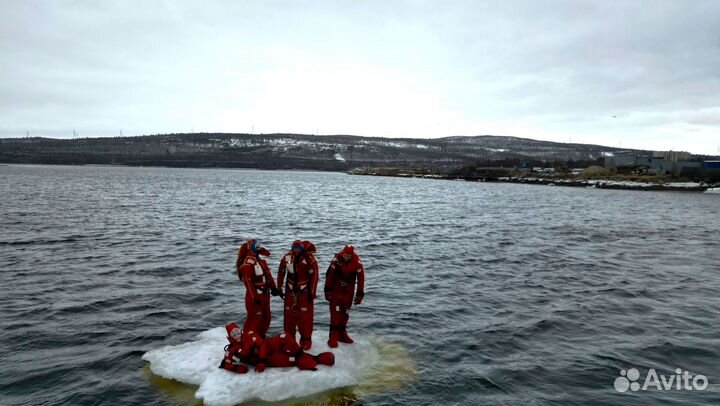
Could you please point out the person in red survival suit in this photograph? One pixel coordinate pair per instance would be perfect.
(340, 279)
(283, 351)
(248, 349)
(300, 289)
(259, 284)
(236, 358)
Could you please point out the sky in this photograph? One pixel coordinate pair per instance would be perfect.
(630, 74)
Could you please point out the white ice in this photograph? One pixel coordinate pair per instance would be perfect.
(196, 363)
(683, 184)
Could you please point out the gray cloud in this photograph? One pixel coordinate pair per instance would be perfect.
(555, 67)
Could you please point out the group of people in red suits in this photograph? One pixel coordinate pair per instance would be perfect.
(297, 282)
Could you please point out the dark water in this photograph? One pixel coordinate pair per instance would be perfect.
(503, 294)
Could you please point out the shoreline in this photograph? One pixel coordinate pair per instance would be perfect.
(600, 183)
(615, 184)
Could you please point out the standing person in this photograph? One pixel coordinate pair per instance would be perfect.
(340, 279)
(299, 292)
(259, 284)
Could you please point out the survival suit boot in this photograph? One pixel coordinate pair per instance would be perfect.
(306, 362)
(333, 340)
(325, 358)
(305, 343)
(344, 337)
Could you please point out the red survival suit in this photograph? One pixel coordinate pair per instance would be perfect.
(259, 284)
(340, 279)
(278, 351)
(283, 351)
(299, 291)
(236, 358)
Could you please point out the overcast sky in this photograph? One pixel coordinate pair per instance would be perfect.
(641, 74)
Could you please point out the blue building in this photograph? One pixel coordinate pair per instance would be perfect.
(711, 166)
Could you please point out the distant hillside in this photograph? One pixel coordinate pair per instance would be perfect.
(295, 151)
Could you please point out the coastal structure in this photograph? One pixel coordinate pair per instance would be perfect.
(655, 163)
(711, 167)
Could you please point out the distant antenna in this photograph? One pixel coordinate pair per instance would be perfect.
(27, 134)
(121, 134)
(252, 129)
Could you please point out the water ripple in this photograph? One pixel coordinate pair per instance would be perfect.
(504, 294)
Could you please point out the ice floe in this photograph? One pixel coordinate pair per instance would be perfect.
(196, 363)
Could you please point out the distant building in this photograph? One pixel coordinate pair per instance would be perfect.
(658, 163)
(633, 160)
(674, 156)
(688, 167)
(623, 160)
(711, 170)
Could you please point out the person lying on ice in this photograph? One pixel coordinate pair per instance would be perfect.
(248, 349)
(283, 351)
(259, 284)
(299, 292)
(340, 279)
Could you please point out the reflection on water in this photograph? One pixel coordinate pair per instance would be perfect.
(179, 393)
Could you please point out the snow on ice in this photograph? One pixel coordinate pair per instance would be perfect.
(197, 363)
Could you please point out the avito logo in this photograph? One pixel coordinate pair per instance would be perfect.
(681, 380)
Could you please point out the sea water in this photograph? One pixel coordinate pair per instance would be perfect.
(476, 293)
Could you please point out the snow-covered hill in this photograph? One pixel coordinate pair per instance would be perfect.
(293, 151)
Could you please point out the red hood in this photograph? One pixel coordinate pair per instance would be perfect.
(309, 247)
(339, 257)
(246, 249)
(229, 329)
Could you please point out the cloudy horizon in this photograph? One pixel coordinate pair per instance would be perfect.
(635, 74)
